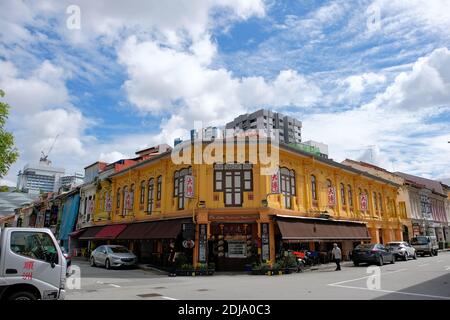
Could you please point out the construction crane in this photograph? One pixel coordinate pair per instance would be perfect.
(44, 157)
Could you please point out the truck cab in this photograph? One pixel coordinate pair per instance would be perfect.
(425, 245)
(32, 265)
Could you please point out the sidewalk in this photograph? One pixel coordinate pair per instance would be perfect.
(146, 267)
(329, 266)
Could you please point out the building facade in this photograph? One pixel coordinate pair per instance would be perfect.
(68, 182)
(231, 214)
(428, 203)
(421, 201)
(38, 178)
(289, 128)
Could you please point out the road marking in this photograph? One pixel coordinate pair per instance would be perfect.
(423, 265)
(100, 282)
(114, 285)
(390, 291)
(385, 273)
(440, 261)
(168, 298)
(447, 268)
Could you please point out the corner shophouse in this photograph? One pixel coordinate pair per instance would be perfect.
(236, 215)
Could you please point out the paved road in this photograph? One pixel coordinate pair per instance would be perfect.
(424, 278)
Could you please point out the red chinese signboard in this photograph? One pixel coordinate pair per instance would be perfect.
(189, 187)
(363, 202)
(275, 183)
(128, 201)
(331, 196)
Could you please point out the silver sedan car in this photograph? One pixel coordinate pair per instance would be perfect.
(402, 250)
(111, 256)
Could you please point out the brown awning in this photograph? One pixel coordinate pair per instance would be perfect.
(90, 233)
(77, 233)
(321, 229)
(165, 229)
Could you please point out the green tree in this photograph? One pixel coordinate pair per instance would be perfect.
(8, 153)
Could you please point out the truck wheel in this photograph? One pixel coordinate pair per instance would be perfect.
(107, 264)
(436, 253)
(22, 295)
(356, 263)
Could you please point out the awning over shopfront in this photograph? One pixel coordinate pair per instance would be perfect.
(89, 233)
(165, 229)
(110, 232)
(77, 233)
(316, 229)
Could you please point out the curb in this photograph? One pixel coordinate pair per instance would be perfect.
(147, 268)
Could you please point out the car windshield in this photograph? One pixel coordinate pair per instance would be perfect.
(364, 246)
(419, 240)
(119, 250)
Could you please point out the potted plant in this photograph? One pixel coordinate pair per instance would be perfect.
(211, 268)
(186, 270)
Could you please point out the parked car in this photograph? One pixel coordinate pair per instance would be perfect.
(402, 250)
(111, 256)
(372, 253)
(425, 245)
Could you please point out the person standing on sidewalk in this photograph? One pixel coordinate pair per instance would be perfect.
(172, 262)
(337, 255)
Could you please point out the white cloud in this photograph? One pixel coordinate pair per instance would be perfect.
(112, 156)
(43, 88)
(426, 86)
(386, 132)
(357, 84)
(170, 20)
(184, 84)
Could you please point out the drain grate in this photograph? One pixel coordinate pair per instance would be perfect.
(203, 290)
(149, 295)
(159, 288)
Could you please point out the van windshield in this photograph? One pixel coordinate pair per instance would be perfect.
(419, 240)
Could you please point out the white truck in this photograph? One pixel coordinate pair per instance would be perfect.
(32, 265)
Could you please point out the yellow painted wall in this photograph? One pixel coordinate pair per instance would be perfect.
(304, 167)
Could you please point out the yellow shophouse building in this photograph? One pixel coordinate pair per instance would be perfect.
(230, 213)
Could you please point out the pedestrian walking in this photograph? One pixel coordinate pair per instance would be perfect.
(172, 263)
(337, 255)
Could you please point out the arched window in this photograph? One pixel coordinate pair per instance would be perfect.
(287, 186)
(375, 200)
(314, 187)
(158, 188)
(124, 194)
(118, 198)
(132, 197)
(350, 195)
(329, 183)
(151, 187)
(178, 185)
(343, 195)
(142, 193)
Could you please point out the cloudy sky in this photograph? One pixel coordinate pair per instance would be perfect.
(369, 78)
